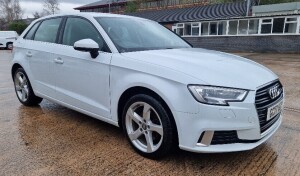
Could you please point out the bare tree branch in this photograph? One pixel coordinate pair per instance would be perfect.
(51, 6)
(37, 14)
(10, 10)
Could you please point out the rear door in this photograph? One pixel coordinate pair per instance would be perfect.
(81, 81)
(39, 46)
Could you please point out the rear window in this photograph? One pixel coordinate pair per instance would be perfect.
(47, 31)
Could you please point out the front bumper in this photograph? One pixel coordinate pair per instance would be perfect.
(233, 147)
(241, 117)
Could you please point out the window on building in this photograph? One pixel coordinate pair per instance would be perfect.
(174, 28)
(195, 29)
(213, 28)
(204, 28)
(266, 26)
(269, 25)
(253, 26)
(243, 26)
(222, 26)
(290, 25)
(292, 19)
(180, 29)
(278, 25)
(187, 28)
(232, 27)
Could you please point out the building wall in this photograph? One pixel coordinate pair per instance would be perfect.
(169, 26)
(274, 43)
(276, 9)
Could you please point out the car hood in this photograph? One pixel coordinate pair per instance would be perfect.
(209, 67)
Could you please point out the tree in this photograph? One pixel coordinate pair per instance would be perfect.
(2, 24)
(37, 14)
(18, 26)
(10, 10)
(51, 6)
(131, 6)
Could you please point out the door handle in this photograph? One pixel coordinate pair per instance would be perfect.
(29, 54)
(59, 61)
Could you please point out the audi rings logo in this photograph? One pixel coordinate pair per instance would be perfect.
(274, 92)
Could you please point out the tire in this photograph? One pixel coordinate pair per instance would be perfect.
(145, 119)
(24, 90)
(9, 46)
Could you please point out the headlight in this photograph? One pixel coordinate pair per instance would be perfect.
(217, 95)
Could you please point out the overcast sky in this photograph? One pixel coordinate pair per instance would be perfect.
(66, 6)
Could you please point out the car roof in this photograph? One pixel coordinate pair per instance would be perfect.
(91, 15)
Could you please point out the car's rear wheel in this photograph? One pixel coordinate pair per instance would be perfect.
(24, 90)
(148, 126)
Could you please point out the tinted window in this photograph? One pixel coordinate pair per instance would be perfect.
(48, 30)
(30, 33)
(78, 29)
(278, 25)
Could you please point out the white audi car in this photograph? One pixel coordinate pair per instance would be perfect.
(138, 75)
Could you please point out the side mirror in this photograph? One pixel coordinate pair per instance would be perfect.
(87, 45)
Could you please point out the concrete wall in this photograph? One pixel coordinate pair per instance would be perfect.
(277, 9)
(272, 43)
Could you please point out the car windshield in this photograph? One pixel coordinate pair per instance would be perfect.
(130, 34)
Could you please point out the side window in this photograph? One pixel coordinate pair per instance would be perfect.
(78, 29)
(30, 33)
(47, 31)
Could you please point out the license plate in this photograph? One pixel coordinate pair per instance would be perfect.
(274, 110)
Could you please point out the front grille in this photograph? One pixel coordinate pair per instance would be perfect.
(263, 101)
(228, 137)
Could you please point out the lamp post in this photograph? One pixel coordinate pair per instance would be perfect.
(109, 4)
(248, 7)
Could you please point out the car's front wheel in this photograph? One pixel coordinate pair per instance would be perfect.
(148, 126)
(24, 90)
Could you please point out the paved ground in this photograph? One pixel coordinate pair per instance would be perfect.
(53, 140)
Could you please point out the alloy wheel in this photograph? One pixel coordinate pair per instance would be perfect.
(22, 87)
(144, 127)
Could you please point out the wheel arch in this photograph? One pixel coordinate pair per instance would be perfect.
(14, 69)
(143, 90)
(7, 43)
